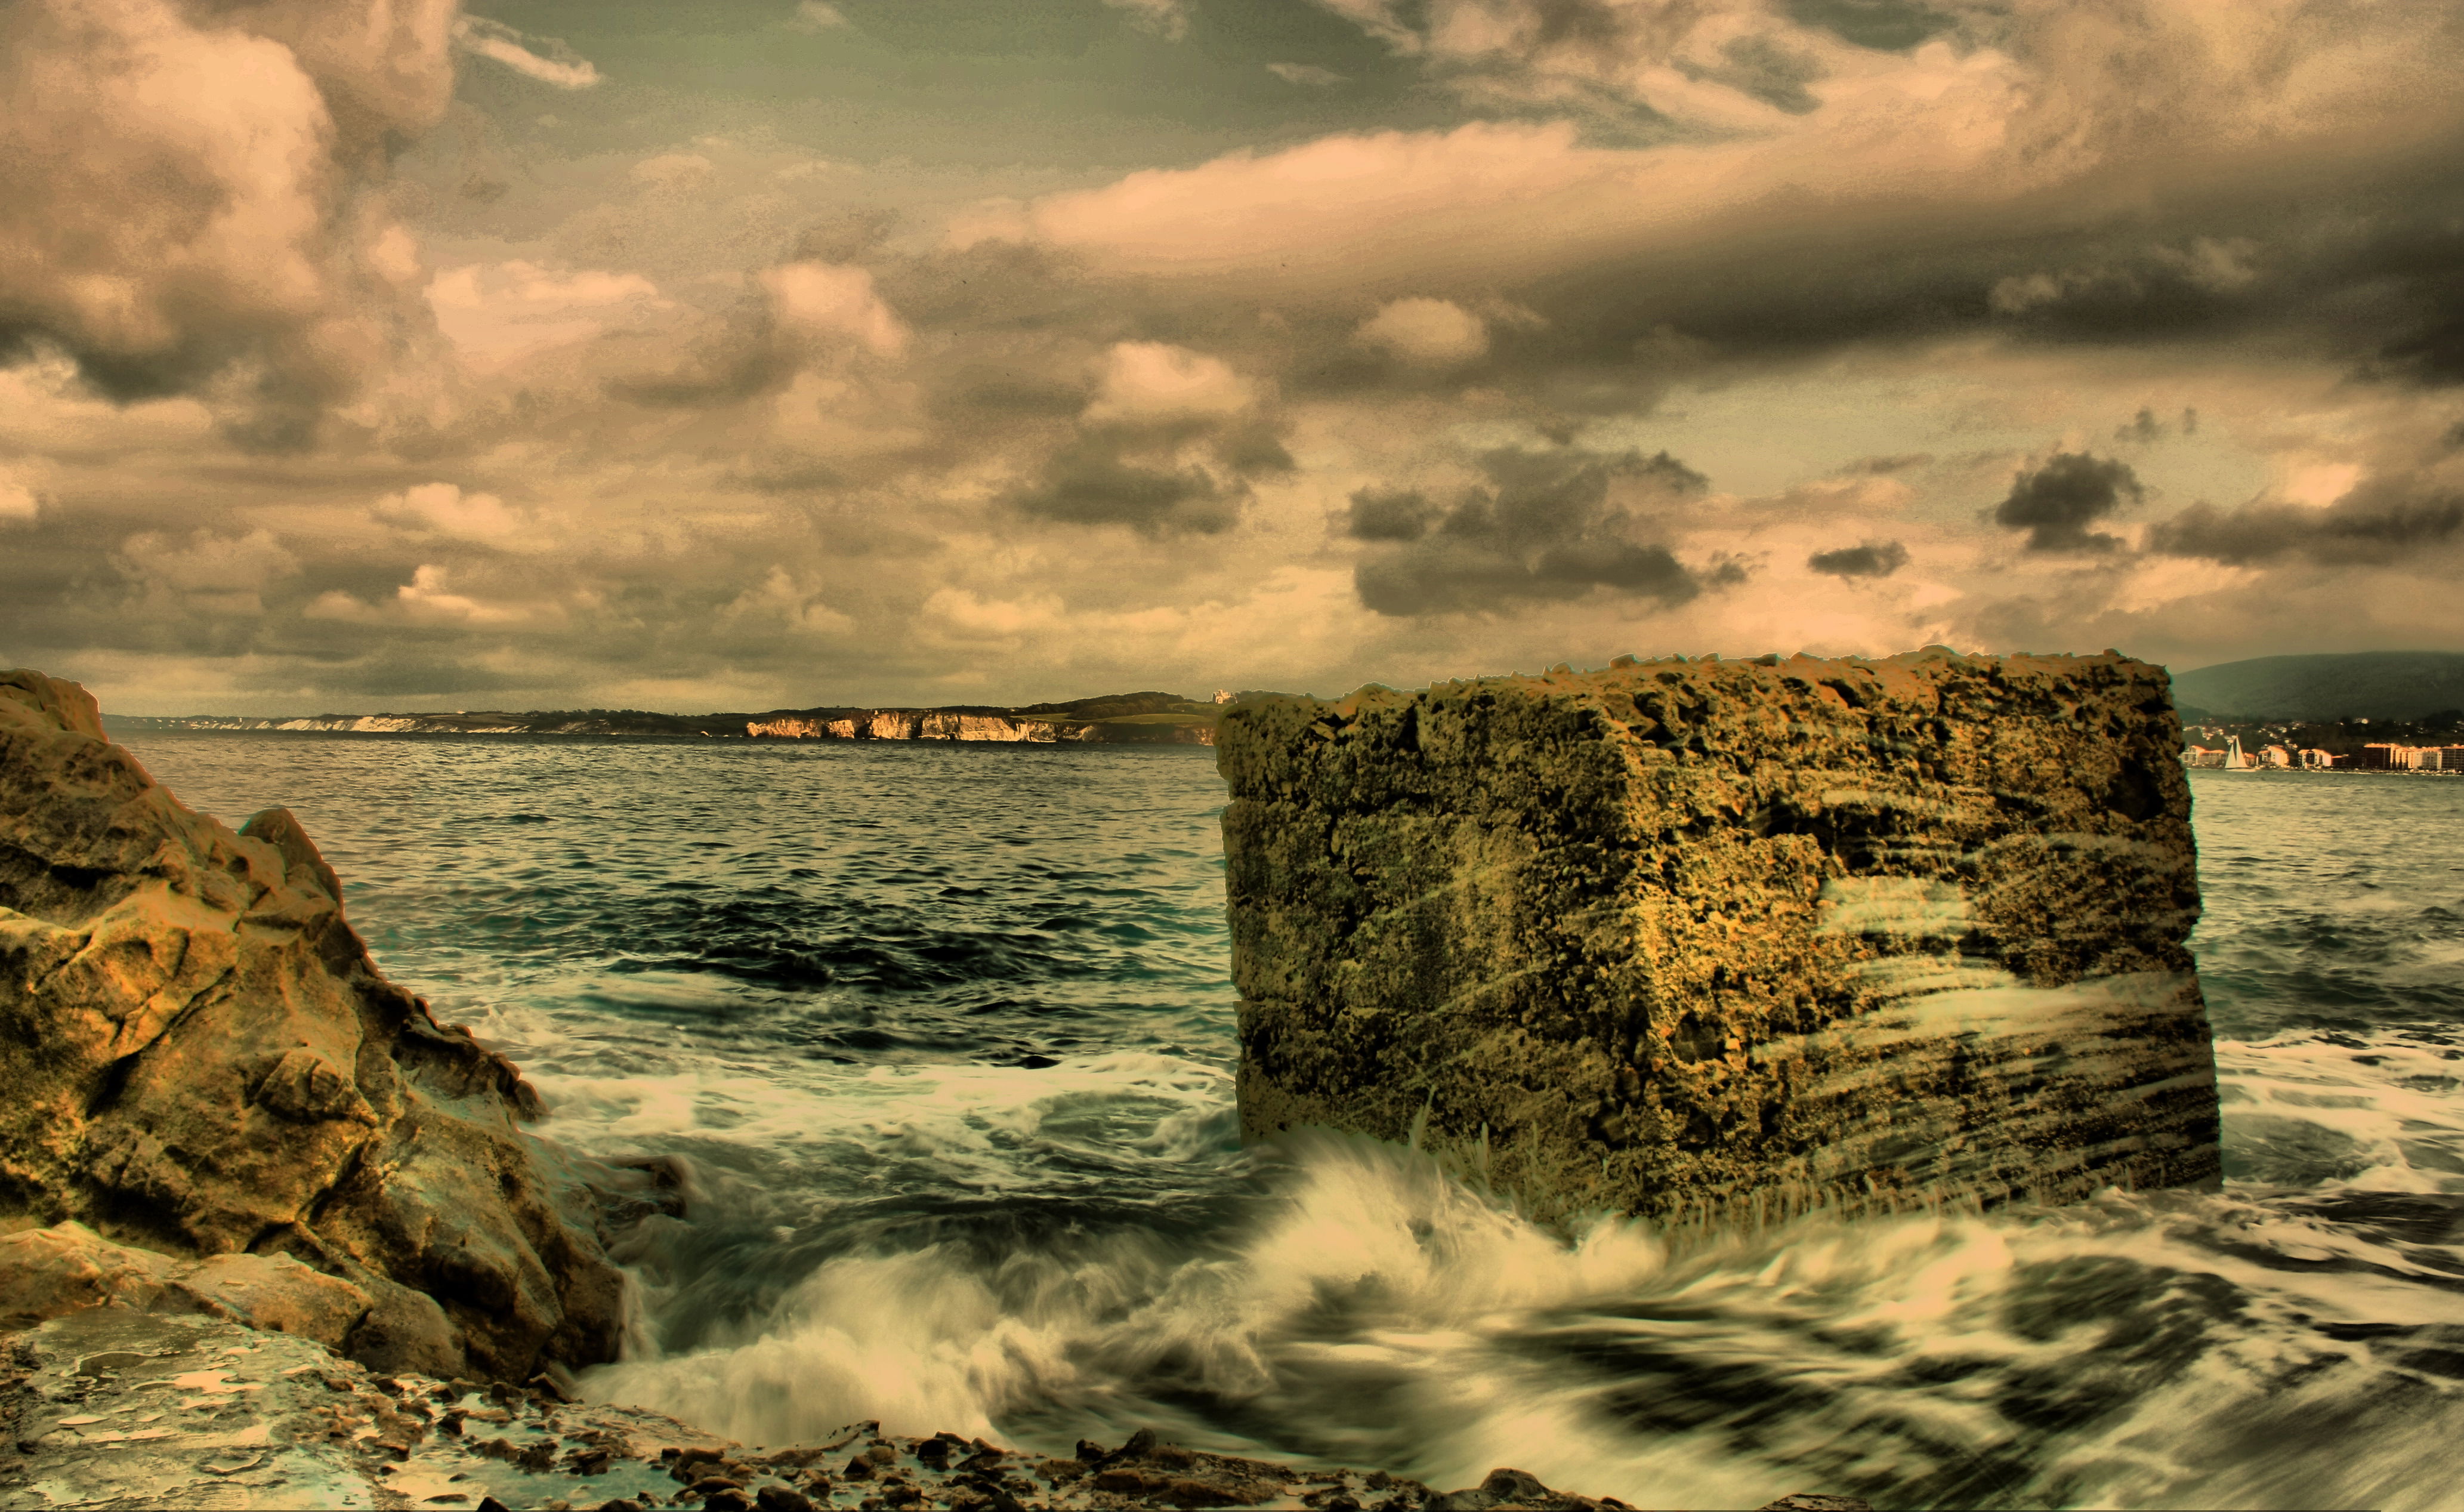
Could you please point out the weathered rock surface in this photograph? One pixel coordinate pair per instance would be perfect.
(202, 1060)
(1676, 937)
(111, 1409)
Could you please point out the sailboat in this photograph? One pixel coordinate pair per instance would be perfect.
(2235, 760)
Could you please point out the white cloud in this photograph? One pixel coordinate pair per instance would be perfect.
(1425, 333)
(834, 301)
(674, 170)
(957, 619)
(495, 312)
(814, 16)
(1157, 381)
(444, 509)
(1307, 73)
(542, 58)
(427, 598)
(780, 601)
(1168, 19)
(178, 194)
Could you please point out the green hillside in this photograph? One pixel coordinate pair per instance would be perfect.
(2361, 685)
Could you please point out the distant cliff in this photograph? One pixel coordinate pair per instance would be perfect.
(1184, 726)
(1147, 718)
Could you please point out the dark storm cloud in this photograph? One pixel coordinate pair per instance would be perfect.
(2145, 429)
(1888, 26)
(1089, 482)
(1873, 559)
(1550, 526)
(2057, 503)
(1758, 67)
(1885, 466)
(2378, 522)
(1389, 515)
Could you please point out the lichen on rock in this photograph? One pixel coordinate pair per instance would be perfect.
(1677, 937)
(202, 1060)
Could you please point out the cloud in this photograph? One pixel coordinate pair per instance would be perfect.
(2384, 521)
(1548, 526)
(780, 600)
(206, 573)
(1425, 333)
(1306, 75)
(429, 600)
(1096, 481)
(816, 16)
(674, 171)
(2147, 429)
(187, 208)
(2057, 502)
(542, 58)
(494, 313)
(1389, 515)
(17, 501)
(1150, 383)
(444, 509)
(830, 304)
(1873, 559)
(1168, 19)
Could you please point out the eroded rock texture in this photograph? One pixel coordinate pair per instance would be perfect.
(1679, 937)
(200, 1059)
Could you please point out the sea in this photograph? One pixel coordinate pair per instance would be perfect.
(942, 1038)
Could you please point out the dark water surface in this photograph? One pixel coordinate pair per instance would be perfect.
(946, 1037)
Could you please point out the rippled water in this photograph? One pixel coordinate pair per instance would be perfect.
(945, 1036)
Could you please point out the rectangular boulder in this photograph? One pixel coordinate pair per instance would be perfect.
(1680, 937)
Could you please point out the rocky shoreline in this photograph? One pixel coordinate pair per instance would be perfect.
(111, 1409)
(272, 1237)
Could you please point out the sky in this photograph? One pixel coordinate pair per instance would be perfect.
(397, 355)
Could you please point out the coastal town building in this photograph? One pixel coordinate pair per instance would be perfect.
(2378, 756)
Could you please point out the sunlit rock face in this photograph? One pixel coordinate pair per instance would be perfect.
(200, 1059)
(1702, 938)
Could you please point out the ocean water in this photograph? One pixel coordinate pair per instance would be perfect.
(944, 1038)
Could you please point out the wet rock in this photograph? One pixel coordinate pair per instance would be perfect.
(1680, 937)
(49, 1273)
(204, 1063)
(1505, 1490)
(1149, 1470)
(1812, 1501)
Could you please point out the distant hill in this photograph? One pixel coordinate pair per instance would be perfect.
(2363, 685)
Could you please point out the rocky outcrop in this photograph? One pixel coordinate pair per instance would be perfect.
(204, 1061)
(1684, 937)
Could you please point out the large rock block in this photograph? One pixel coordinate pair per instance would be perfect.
(1680, 936)
(200, 1059)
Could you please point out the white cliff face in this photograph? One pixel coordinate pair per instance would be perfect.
(911, 724)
